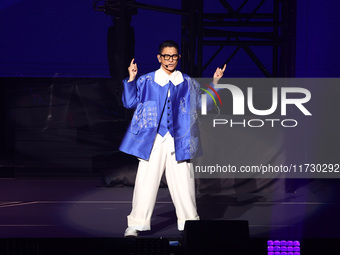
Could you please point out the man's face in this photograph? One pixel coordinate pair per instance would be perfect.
(169, 59)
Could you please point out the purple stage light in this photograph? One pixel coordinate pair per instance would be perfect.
(296, 243)
(277, 248)
(283, 247)
(290, 243)
(270, 248)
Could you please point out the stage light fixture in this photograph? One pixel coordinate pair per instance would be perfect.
(283, 247)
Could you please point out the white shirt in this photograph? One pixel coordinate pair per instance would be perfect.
(162, 78)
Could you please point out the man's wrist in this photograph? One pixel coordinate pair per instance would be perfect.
(216, 80)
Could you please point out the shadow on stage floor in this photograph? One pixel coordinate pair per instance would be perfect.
(68, 216)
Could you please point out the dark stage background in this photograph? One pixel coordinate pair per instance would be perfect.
(68, 38)
(60, 89)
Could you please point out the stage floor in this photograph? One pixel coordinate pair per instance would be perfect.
(77, 208)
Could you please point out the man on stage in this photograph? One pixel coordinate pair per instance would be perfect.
(163, 135)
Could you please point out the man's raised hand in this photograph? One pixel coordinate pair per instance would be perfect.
(132, 70)
(219, 74)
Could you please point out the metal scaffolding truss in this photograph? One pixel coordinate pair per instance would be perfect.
(239, 27)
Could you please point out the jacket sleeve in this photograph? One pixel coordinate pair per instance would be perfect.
(130, 96)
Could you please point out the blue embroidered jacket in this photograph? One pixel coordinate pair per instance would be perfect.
(149, 99)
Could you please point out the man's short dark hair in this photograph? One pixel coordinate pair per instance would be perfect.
(167, 43)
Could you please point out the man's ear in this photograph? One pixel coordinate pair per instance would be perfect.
(159, 58)
(179, 56)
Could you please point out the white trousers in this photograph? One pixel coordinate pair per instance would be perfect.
(180, 180)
